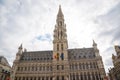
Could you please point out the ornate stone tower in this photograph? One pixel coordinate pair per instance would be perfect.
(96, 49)
(60, 49)
(16, 61)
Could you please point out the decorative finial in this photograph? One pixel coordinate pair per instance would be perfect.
(20, 46)
(94, 44)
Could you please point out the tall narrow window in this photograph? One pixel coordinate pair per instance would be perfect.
(62, 47)
(61, 34)
(57, 77)
(62, 67)
(57, 47)
(62, 77)
(58, 34)
(57, 67)
(60, 23)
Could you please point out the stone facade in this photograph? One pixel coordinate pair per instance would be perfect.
(60, 63)
(114, 73)
(5, 69)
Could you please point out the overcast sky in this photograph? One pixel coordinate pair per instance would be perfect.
(31, 22)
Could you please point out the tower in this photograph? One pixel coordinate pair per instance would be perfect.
(60, 44)
(16, 61)
(96, 49)
(60, 49)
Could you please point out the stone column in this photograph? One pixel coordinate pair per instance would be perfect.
(83, 76)
(41, 78)
(21, 78)
(14, 78)
(79, 76)
(25, 78)
(36, 78)
(91, 76)
(28, 78)
(45, 78)
(95, 76)
(98, 76)
(87, 76)
(48, 77)
(75, 76)
(69, 77)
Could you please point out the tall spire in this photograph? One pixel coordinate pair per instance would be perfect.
(60, 44)
(60, 14)
(60, 17)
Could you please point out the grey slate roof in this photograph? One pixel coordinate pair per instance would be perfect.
(73, 54)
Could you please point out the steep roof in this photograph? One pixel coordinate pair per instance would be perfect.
(4, 61)
(73, 54)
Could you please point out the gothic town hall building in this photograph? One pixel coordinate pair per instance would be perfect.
(60, 63)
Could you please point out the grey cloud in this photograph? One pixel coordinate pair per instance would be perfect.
(108, 62)
(110, 24)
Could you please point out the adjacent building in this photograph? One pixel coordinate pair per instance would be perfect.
(114, 73)
(60, 63)
(5, 69)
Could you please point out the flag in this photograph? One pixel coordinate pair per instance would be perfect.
(62, 56)
(55, 56)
